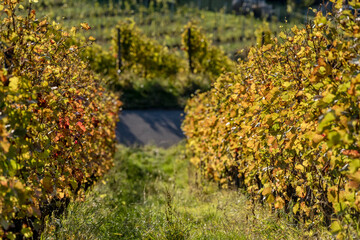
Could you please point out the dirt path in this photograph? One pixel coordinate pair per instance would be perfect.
(156, 127)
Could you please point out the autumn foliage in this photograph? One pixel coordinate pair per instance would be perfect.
(286, 126)
(56, 122)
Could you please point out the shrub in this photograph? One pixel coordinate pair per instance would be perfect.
(143, 55)
(286, 126)
(205, 57)
(56, 122)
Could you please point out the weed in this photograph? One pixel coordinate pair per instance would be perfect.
(174, 228)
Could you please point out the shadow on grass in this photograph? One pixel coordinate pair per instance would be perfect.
(167, 92)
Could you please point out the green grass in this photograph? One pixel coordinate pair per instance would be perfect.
(151, 193)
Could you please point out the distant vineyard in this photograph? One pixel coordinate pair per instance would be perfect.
(286, 126)
(205, 58)
(56, 122)
(143, 55)
(147, 57)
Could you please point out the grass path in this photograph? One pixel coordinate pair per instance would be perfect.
(150, 194)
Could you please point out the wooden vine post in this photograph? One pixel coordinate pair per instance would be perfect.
(118, 60)
(189, 50)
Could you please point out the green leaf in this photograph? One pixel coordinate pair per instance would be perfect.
(335, 227)
(333, 138)
(318, 85)
(329, 98)
(11, 236)
(14, 166)
(354, 4)
(296, 208)
(27, 232)
(328, 118)
(322, 70)
(286, 84)
(354, 165)
(323, 21)
(344, 87)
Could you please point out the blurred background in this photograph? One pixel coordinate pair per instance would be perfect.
(231, 24)
(157, 71)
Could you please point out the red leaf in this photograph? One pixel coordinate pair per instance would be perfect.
(81, 126)
(351, 153)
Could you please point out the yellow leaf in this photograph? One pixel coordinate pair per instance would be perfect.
(5, 146)
(317, 138)
(280, 203)
(270, 198)
(73, 30)
(282, 35)
(300, 192)
(267, 47)
(300, 167)
(266, 191)
(296, 208)
(85, 26)
(14, 83)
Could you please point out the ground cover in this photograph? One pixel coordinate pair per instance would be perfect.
(151, 194)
